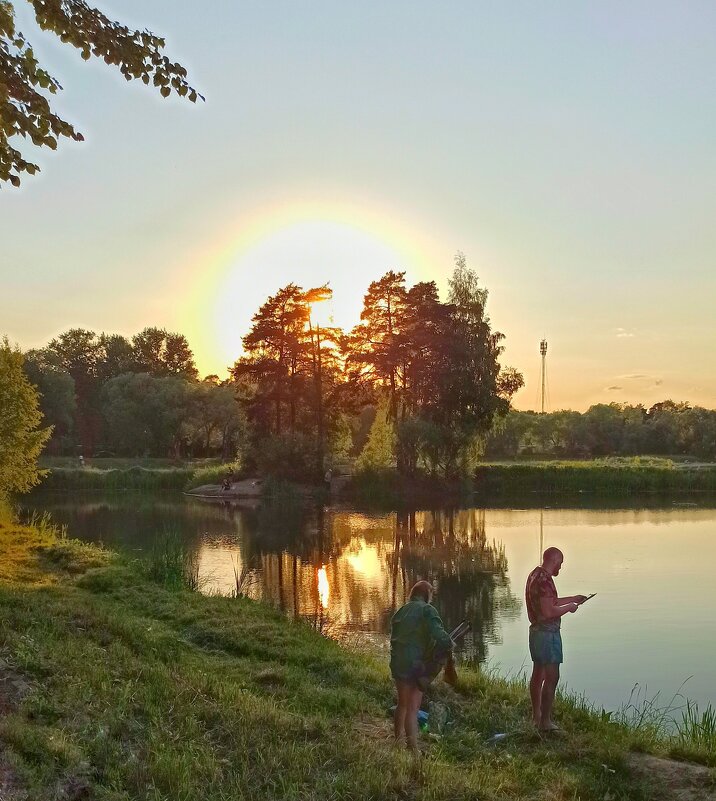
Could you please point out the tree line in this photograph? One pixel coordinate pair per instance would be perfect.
(615, 429)
(416, 385)
(105, 394)
(301, 395)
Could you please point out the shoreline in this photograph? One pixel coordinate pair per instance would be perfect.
(125, 680)
(491, 481)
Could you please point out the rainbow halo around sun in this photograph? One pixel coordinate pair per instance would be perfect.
(308, 246)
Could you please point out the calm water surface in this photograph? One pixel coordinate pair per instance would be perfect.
(651, 623)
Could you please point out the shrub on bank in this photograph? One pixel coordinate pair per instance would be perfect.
(213, 474)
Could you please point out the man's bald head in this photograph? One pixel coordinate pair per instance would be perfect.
(552, 560)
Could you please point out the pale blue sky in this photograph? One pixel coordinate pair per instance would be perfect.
(567, 148)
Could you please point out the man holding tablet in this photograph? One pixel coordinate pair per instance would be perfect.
(545, 610)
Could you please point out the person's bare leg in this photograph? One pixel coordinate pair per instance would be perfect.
(401, 709)
(536, 683)
(411, 718)
(551, 678)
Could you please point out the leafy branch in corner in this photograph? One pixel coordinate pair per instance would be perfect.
(25, 109)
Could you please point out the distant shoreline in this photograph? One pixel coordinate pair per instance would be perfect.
(494, 480)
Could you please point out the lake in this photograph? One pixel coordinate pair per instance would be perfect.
(650, 625)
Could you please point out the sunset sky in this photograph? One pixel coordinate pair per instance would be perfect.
(568, 149)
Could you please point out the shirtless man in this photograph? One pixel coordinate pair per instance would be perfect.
(545, 610)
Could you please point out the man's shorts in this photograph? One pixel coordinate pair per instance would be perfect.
(420, 673)
(545, 645)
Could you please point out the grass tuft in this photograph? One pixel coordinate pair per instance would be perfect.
(173, 565)
(697, 728)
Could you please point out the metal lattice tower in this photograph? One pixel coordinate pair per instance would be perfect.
(543, 352)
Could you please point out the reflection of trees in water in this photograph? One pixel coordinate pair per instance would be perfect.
(135, 520)
(370, 560)
(296, 552)
(451, 550)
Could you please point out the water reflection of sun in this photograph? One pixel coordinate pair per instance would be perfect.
(324, 591)
(366, 561)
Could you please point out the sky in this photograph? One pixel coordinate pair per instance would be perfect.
(568, 149)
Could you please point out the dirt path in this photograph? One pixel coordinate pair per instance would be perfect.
(674, 781)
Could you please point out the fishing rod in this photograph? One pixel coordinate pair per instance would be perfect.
(460, 630)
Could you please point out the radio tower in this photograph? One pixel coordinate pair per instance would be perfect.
(543, 351)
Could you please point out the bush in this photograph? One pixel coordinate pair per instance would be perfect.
(214, 474)
(291, 457)
(378, 453)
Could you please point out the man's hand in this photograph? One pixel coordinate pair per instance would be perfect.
(580, 599)
(572, 607)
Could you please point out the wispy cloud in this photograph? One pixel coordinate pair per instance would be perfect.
(624, 332)
(638, 381)
(613, 389)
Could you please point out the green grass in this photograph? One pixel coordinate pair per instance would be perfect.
(124, 462)
(609, 477)
(697, 728)
(125, 474)
(605, 476)
(171, 564)
(386, 488)
(66, 479)
(132, 687)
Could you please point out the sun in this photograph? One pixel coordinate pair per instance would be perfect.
(310, 247)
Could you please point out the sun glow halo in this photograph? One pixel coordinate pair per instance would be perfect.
(304, 249)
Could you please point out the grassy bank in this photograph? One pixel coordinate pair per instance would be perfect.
(64, 474)
(388, 489)
(123, 462)
(116, 686)
(607, 477)
(75, 479)
(604, 476)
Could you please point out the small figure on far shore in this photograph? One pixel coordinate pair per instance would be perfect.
(82, 461)
(419, 649)
(545, 610)
(226, 484)
(327, 479)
